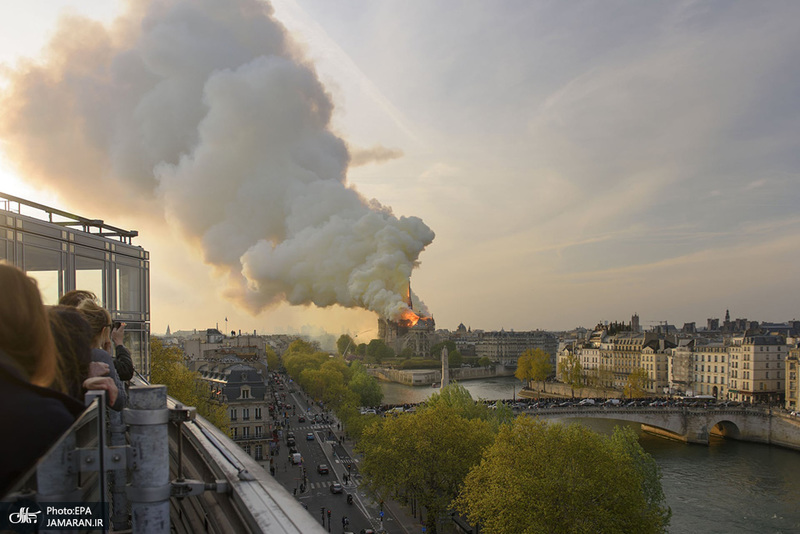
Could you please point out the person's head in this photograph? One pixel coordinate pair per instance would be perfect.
(73, 338)
(76, 296)
(99, 320)
(25, 334)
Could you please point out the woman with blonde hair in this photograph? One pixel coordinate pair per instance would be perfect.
(122, 360)
(99, 320)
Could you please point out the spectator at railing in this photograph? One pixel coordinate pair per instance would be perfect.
(99, 320)
(123, 362)
(73, 338)
(33, 416)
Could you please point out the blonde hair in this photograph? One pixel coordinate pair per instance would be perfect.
(24, 327)
(97, 317)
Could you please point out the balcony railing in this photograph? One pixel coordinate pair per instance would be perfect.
(157, 468)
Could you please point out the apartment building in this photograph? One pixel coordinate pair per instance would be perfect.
(710, 370)
(757, 368)
(243, 389)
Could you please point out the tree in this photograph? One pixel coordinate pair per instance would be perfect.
(636, 385)
(571, 371)
(273, 362)
(565, 479)
(484, 362)
(378, 350)
(166, 367)
(344, 343)
(523, 371)
(367, 388)
(454, 359)
(536, 366)
(424, 456)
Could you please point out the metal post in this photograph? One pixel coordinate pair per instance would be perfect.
(119, 477)
(149, 490)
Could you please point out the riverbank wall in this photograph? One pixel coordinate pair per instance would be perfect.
(427, 377)
(557, 390)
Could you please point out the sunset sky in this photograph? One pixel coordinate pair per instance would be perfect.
(577, 161)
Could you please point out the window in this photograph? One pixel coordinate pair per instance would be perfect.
(233, 414)
(259, 431)
(235, 433)
(245, 414)
(245, 392)
(258, 413)
(259, 452)
(246, 432)
(129, 288)
(44, 266)
(247, 449)
(89, 275)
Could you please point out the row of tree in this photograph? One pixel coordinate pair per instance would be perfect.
(166, 367)
(534, 366)
(511, 475)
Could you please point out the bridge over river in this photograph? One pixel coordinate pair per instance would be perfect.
(695, 425)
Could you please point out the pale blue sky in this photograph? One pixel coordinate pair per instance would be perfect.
(578, 161)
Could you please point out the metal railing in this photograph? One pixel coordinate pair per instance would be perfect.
(136, 465)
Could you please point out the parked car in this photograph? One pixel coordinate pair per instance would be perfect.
(336, 488)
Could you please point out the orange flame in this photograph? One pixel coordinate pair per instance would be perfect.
(408, 318)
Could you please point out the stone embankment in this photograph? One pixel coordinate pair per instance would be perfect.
(427, 377)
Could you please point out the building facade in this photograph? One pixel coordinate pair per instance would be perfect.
(63, 252)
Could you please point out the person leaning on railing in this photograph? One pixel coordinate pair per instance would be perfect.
(99, 320)
(123, 362)
(73, 338)
(35, 411)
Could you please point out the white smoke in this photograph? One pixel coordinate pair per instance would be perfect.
(205, 110)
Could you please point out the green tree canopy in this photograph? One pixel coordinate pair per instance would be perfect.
(565, 479)
(424, 455)
(273, 362)
(378, 350)
(166, 367)
(367, 388)
(345, 343)
(485, 362)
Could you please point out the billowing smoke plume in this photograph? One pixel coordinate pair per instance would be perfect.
(204, 109)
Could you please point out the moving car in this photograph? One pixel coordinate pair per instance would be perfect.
(336, 488)
(322, 469)
(310, 436)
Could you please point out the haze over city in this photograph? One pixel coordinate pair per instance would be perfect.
(577, 162)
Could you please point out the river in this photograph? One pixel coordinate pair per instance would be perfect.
(726, 487)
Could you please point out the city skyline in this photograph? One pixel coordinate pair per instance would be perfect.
(577, 163)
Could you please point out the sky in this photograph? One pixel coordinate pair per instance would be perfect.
(530, 164)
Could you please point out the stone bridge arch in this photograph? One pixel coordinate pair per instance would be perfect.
(726, 428)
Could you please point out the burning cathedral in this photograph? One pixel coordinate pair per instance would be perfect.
(412, 330)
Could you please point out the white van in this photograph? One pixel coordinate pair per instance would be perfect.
(296, 458)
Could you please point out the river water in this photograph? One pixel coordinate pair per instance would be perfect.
(726, 487)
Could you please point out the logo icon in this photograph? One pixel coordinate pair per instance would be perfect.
(24, 516)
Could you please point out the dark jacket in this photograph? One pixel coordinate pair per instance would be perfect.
(99, 355)
(33, 419)
(123, 363)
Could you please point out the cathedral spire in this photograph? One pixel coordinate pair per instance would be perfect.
(410, 306)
